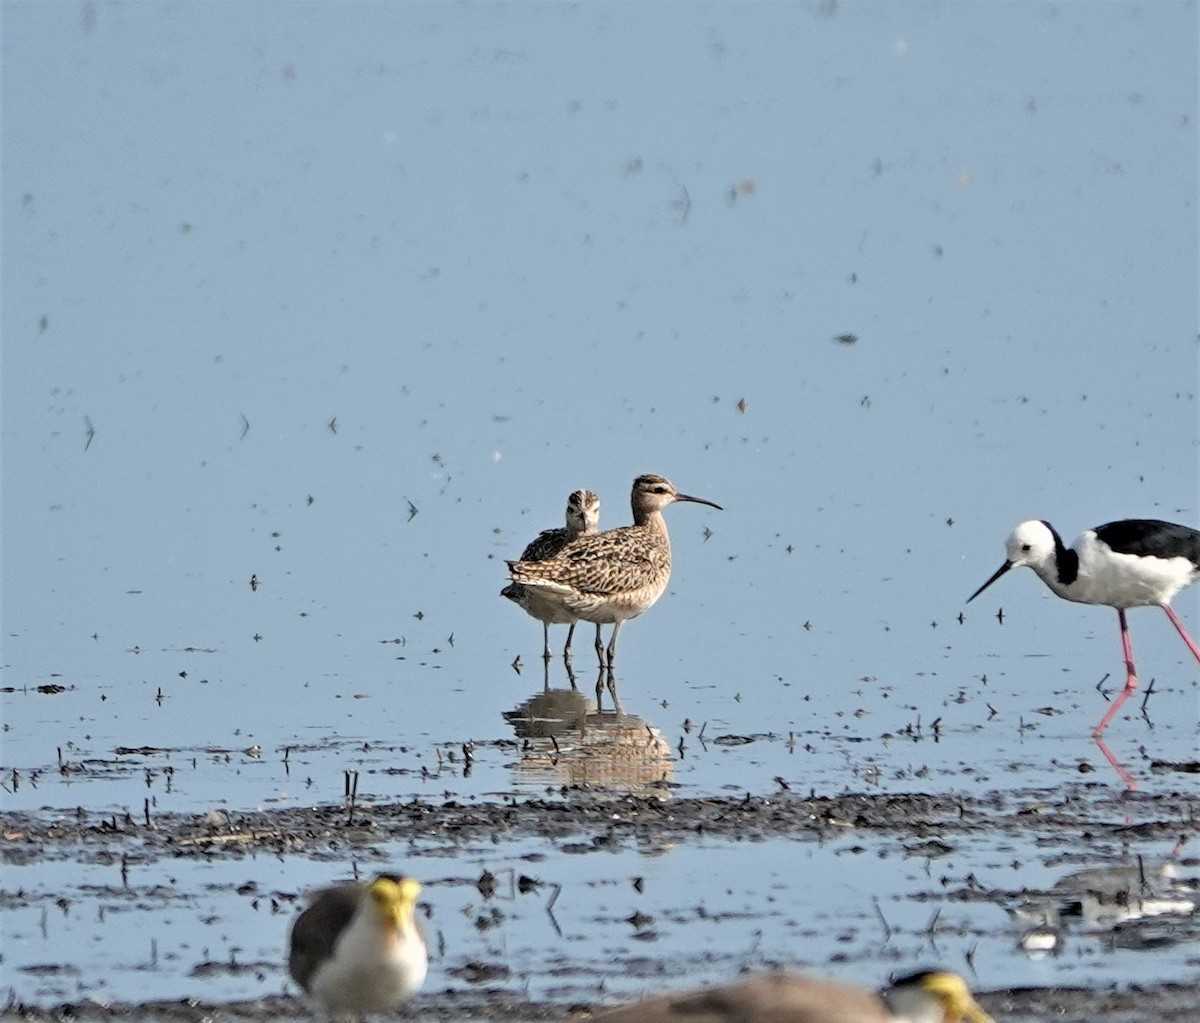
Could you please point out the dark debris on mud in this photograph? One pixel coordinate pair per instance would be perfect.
(586, 822)
(583, 821)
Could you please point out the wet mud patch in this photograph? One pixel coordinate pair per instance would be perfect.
(1083, 893)
(930, 825)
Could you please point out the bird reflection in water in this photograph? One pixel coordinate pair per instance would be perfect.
(1126, 905)
(567, 739)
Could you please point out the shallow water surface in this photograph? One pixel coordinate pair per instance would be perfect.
(283, 390)
(604, 917)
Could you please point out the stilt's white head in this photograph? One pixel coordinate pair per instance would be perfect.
(1032, 543)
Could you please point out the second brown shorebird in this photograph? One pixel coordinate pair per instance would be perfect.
(928, 997)
(612, 576)
(583, 517)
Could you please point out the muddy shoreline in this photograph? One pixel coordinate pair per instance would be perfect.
(1087, 816)
(582, 819)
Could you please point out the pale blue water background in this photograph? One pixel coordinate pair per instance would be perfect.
(511, 250)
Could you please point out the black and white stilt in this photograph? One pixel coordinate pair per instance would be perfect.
(1130, 563)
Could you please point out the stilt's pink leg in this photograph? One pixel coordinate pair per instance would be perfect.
(1130, 676)
(1182, 631)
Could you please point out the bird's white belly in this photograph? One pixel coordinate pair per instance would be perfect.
(542, 605)
(365, 975)
(1125, 580)
(606, 609)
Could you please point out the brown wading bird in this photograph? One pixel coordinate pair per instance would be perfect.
(612, 576)
(929, 997)
(357, 948)
(583, 516)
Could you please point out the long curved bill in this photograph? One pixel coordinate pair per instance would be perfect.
(999, 572)
(698, 500)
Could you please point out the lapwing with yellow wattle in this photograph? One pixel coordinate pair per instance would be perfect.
(357, 948)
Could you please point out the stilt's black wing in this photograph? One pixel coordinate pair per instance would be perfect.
(1151, 538)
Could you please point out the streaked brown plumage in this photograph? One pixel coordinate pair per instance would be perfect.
(928, 997)
(582, 517)
(612, 576)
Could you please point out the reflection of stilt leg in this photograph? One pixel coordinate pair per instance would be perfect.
(1130, 677)
(1126, 777)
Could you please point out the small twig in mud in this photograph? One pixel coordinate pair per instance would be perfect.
(351, 794)
(1146, 697)
(550, 909)
(243, 836)
(887, 929)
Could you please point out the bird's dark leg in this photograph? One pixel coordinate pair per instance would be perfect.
(1182, 631)
(612, 647)
(599, 646)
(1130, 676)
(546, 642)
(567, 648)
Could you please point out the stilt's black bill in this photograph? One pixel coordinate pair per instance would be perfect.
(999, 572)
(698, 500)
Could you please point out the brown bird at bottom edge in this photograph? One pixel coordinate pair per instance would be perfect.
(932, 996)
